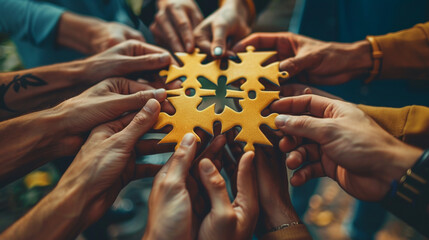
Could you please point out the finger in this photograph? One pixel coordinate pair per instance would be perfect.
(202, 36)
(146, 62)
(309, 103)
(265, 41)
(178, 165)
(247, 195)
(215, 186)
(315, 129)
(295, 65)
(132, 102)
(212, 152)
(146, 170)
(133, 34)
(218, 46)
(149, 147)
(141, 123)
(196, 17)
(305, 153)
(307, 173)
(170, 34)
(288, 143)
(183, 27)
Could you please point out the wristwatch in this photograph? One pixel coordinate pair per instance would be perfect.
(408, 199)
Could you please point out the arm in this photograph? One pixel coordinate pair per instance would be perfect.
(34, 21)
(39, 137)
(104, 165)
(409, 124)
(91, 35)
(29, 90)
(405, 53)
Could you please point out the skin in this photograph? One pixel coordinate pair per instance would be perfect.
(174, 23)
(343, 143)
(171, 201)
(90, 35)
(314, 61)
(104, 165)
(61, 130)
(65, 80)
(225, 27)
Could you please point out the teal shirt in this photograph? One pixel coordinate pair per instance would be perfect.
(33, 26)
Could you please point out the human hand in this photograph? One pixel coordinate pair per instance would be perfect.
(125, 58)
(106, 162)
(103, 102)
(347, 146)
(314, 61)
(174, 24)
(169, 201)
(229, 23)
(228, 220)
(90, 35)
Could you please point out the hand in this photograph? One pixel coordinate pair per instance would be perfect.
(90, 35)
(226, 220)
(174, 24)
(228, 23)
(314, 61)
(274, 199)
(125, 58)
(101, 103)
(106, 162)
(170, 210)
(348, 146)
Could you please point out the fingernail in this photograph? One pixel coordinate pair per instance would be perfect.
(151, 106)
(206, 166)
(159, 93)
(164, 57)
(188, 139)
(281, 120)
(217, 51)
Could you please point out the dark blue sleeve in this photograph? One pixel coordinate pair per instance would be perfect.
(31, 21)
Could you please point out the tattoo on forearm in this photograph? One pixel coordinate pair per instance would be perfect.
(18, 82)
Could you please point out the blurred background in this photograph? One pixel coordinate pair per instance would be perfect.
(328, 211)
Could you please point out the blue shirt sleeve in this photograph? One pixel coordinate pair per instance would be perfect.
(32, 21)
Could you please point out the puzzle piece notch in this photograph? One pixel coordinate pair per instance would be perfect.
(188, 117)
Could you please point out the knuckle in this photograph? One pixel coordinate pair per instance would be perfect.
(141, 118)
(179, 154)
(217, 182)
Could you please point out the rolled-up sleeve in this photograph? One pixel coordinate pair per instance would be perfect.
(32, 21)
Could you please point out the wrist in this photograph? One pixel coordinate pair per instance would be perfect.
(361, 60)
(275, 216)
(402, 158)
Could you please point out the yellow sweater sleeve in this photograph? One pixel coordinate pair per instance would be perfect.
(296, 232)
(405, 53)
(410, 124)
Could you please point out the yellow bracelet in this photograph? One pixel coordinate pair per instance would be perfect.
(250, 6)
(377, 55)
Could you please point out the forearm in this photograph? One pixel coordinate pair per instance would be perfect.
(58, 216)
(30, 141)
(76, 31)
(37, 88)
(405, 54)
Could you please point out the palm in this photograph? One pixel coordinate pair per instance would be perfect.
(357, 185)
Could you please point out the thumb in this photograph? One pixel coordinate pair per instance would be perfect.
(215, 186)
(151, 61)
(303, 126)
(141, 123)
